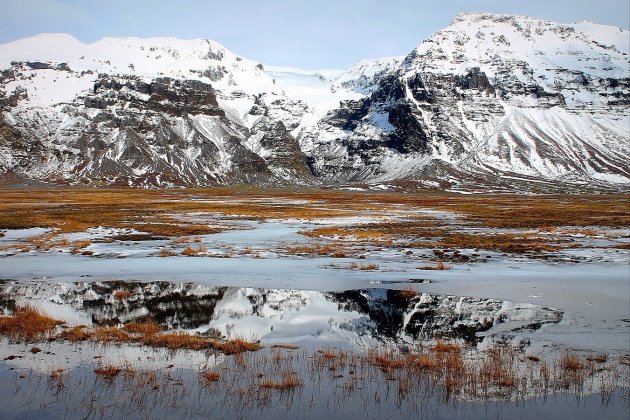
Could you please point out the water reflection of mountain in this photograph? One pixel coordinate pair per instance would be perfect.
(273, 314)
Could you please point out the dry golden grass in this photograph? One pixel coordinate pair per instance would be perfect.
(176, 341)
(440, 265)
(503, 242)
(386, 360)
(164, 252)
(333, 250)
(16, 247)
(571, 362)
(174, 228)
(75, 334)
(144, 328)
(123, 294)
(572, 369)
(27, 324)
(108, 372)
(414, 234)
(598, 358)
(151, 211)
(194, 252)
(285, 346)
(78, 246)
(117, 205)
(368, 267)
(183, 240)
(444, 347)
(424, 362)
(210, 376)
(43, 242)
(287, 381)
(237, 346)
(57, 374)
(408, 293)
(110, 335)
(147, 333)
(353, 266)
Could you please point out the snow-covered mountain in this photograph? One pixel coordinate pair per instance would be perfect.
(490, 100)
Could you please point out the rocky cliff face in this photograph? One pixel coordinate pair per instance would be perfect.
(492, 97)
(492, 100)
(146, 126)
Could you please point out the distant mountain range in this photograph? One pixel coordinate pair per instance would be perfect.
(490, 102)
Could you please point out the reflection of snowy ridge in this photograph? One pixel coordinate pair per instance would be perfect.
(494, 100)
(353, 317)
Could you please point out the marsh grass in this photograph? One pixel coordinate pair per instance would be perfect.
(210, 376)
(16, 247)
(152, 213)
(316, 249)
(190, 251)
(439, 266)
(286, 381)
(353, 266)
(164, 252)
(443, 372)
(27, 324)
(284, 346)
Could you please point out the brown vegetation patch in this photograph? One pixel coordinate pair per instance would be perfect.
(176, 341)
(598, 358)
(353, 266)
(502, 242)
(285, 346)
(75, 334)
(445, 347)
(386, 360)
(145, 328)
(123, 294)
(287, 381)
(108, 372)
(194, 252)
(151, 212)
(333, 250)
(164, 252)
(27, 324)
(78, 246)
(570, 362)
(408, 293)
(16, 247)
(210, 376)
(439, 266)
(110, 335)
(236, 346)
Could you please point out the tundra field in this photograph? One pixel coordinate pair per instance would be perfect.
(243, 302)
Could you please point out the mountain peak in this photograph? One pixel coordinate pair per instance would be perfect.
(491, 97)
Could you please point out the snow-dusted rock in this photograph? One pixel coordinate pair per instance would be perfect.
(489, 100)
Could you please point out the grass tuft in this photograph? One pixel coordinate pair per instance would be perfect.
(288, 381)
(27, 324)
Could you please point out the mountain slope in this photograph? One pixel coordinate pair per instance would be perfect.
(491, 100)
(155, 112)
(491, 95)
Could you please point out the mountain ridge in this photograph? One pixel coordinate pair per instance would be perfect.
(492, 100)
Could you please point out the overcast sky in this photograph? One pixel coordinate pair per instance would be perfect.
(304, 33)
